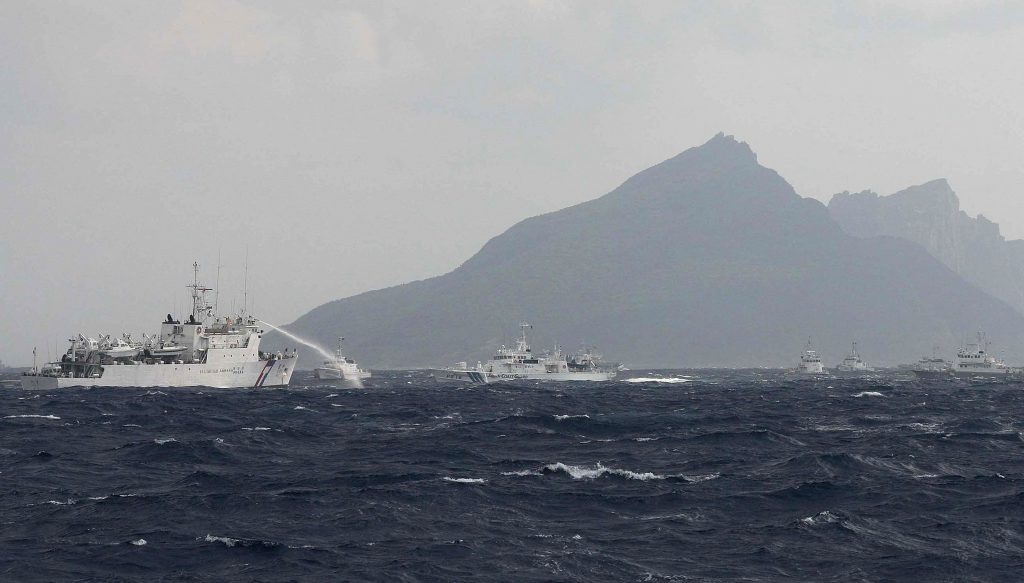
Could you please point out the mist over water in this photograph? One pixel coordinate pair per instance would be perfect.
(732, 475)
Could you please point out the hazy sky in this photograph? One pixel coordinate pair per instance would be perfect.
(352, 146)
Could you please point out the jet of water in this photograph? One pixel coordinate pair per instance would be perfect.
(313, 345)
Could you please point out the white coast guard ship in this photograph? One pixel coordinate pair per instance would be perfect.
(810, 362)
(203, 351)
(340, 368)
(933, 367)
(853, 363)
(520, 363)
(974, 361)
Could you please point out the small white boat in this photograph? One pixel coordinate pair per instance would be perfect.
(166, 350)
(810, 362)
(117, 348)
(340, 368)
(853, 363)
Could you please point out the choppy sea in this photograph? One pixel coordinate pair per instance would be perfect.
(676, 476)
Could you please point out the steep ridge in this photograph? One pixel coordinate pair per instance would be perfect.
(929, 214)
(706, 259)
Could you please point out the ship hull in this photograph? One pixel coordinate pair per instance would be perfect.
(933, 374)
(595, 376)
(474, 377)
(852, 372)
(255, 374)
(988, 376)
(336, 374)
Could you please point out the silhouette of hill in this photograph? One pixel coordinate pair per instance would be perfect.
(929, 215)
(706, 259)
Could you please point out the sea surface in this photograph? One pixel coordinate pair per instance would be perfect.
(678, 476)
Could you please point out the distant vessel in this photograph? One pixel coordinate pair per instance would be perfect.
(810, 362)
(340, 368)
(933, 367)
(462, 373)
(974, 361)
(204, 351)
(853, 363)
(519, 363)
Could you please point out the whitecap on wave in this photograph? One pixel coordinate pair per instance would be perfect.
(54, 417)
(228, 541)
(521, 473)
(464, 480)
(669, 380)
(582, 472)
(701, 478)
(824, 517)
(868, 394)
(599, 470)
(159, 441)
(564, 417)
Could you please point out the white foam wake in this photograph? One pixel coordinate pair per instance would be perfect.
(701, 478)
(465, 480)
(228, 541)
(669, 380)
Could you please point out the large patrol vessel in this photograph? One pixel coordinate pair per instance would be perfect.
(518, 362)
(203, 351)
(974, 361)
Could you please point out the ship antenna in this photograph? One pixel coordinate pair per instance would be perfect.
(245, 283)
(216, 296)
(195, 287)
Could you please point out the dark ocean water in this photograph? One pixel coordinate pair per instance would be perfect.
(733, 476)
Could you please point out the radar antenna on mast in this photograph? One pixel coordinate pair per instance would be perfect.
(199, 305)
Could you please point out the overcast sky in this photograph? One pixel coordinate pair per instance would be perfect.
(352, 146)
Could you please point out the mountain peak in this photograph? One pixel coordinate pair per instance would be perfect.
(724, 147)
(934, 191)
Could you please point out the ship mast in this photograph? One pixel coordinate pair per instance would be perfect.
(523, 344)
(245, 285)
(198, 293)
